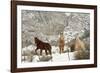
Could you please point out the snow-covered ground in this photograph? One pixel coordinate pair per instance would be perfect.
(29, 55)
(63, 57)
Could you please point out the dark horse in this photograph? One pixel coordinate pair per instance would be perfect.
(42, 46)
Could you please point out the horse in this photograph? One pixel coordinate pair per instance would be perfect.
(42, 46)
(61, 43)
(76, 44)
(79, 44)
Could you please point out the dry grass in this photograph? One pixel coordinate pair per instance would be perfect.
(82, 54)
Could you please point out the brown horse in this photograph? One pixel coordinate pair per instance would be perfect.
(42, 46)
(79, 44)
(61, 43)
(76, 44)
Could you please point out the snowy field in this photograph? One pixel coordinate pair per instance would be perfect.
(29, 55)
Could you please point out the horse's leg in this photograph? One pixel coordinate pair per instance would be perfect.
(36, 50)
(46, 52)
(60, 49)
(41, 52)
(49, 51)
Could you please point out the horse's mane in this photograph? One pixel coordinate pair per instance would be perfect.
(37, 41)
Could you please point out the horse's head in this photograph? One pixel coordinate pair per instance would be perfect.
(36, 40)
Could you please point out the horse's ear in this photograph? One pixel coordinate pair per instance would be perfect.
(35, 38)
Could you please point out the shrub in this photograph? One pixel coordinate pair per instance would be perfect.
(82, 54)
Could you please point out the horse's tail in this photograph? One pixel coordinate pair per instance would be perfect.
(49, 48)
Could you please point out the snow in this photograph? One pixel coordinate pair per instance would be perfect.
(36, 58)
(63, 57)
(56, 56)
